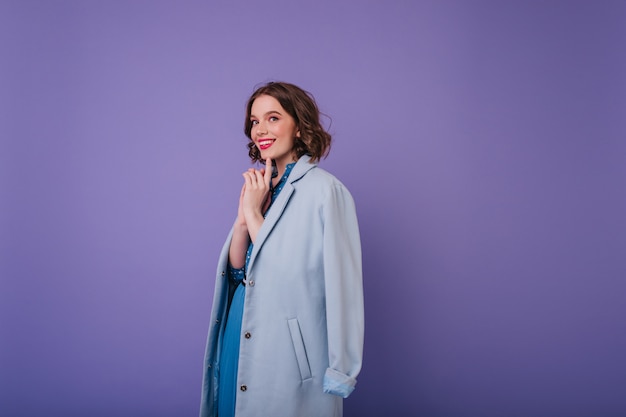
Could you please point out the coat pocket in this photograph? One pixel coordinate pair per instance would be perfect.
(298, 346)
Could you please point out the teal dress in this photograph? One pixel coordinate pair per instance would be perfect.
(229, 357)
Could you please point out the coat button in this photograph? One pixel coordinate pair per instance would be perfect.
(251, 283)
(243, 387)
(247, 335)
(223, 273)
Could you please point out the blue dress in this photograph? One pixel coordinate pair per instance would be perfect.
(229, 357)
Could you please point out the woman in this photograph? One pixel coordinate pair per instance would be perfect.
(286, 333)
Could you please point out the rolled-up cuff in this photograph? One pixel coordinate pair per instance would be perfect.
(236, 274)
(337, 383)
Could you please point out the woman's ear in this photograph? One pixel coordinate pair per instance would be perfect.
(298, 134)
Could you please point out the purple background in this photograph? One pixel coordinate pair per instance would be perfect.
(484, 143)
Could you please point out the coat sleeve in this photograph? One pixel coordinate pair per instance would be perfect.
(343, 280)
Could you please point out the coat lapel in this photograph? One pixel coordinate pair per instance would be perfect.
(276, 210)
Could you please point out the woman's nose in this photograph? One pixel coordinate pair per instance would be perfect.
(260, 128)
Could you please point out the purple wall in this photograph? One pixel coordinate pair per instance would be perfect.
(484, 143)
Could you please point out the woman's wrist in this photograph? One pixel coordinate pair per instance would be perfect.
(241, 226)
(252, 214)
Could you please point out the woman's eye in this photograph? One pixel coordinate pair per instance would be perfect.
(273, 119)
(254, 122)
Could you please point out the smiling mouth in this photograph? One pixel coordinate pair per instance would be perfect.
(265, 143)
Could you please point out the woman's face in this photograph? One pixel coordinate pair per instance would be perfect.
(273, 130)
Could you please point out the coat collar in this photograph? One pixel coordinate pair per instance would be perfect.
(303, 166)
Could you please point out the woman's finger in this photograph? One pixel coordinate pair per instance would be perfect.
(268, 172)
(247, 180)
(258, 176)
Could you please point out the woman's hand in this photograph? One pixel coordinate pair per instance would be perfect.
(256, 190)
(255, 197)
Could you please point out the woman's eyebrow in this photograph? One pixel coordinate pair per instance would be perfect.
(269, 112)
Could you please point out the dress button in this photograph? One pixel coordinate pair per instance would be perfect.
(243, 387)
(247, 335)
(251, 283)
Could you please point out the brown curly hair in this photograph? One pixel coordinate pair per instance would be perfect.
(314, 140)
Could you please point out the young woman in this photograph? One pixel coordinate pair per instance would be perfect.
(286, 332)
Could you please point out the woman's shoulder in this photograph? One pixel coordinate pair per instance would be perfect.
(323, 181)
(320, 175)
(312, 176)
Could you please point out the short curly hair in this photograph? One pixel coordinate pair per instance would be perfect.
(314, 140)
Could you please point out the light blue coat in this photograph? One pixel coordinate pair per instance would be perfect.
(302, 333)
